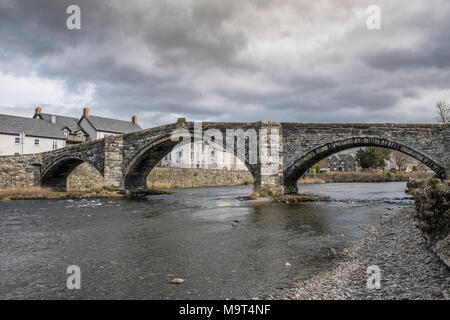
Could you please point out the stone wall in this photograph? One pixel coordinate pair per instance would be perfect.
(19, 171)
(186, 178)
(85, 177)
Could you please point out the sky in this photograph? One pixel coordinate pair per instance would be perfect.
(234, 60)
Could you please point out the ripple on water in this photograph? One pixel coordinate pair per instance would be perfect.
(132, 249)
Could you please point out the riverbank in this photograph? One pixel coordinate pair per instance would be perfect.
(38, 193)
(432, 202)
(409, 270)
(362, 176)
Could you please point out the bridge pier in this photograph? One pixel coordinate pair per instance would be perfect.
(290, 187)
(113, 174)
(267, 185)
(268, 173)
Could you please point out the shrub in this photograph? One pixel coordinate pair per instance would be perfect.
(432, 201)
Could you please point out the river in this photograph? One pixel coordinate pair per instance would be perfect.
(132, 249)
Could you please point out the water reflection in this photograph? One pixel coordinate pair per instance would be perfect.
(132, 249)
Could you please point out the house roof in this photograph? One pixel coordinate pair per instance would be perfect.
(343, 156)
(112, 125)
(61, 121)
(29, 126)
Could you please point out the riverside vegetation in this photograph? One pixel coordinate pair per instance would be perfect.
(363, 176)
(432, 203)
(39, 193)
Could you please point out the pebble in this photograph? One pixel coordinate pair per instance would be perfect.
(177, 281)
(409, 270)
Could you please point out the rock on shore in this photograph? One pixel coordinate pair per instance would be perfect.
(409, 270)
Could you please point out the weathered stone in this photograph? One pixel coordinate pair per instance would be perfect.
(187, 178)
(125, 161)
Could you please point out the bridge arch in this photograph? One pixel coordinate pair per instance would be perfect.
(138, 168)
(55, 174)
(298, 167)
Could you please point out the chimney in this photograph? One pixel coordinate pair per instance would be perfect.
(86, 112)
(53, 119)
(38, 110)
(134, 120)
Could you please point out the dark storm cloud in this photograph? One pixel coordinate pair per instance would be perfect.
(401, 58)
(232, 60)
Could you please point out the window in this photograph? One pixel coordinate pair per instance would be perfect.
(65, 133)
(36, 142)
(55, 145)
(17, 140)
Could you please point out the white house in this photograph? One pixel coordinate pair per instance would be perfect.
(201, 156)
(45, 132)
(19, 135)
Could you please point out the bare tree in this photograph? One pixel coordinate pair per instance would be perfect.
(443, 112)
(400, 159)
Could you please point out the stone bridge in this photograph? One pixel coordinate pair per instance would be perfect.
(126, 160)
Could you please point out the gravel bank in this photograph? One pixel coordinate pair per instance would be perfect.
(409, 270)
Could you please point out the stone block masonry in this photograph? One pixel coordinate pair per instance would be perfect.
(113, 161)
(126, 160)
(20, 171)
(191, 178)
(85, 177)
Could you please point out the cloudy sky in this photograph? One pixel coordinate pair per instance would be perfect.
(280, 60)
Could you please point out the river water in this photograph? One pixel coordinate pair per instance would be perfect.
(132, 249)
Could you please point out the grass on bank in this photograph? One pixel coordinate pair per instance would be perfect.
(39, 193)
(432, 201)
(363, 176)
